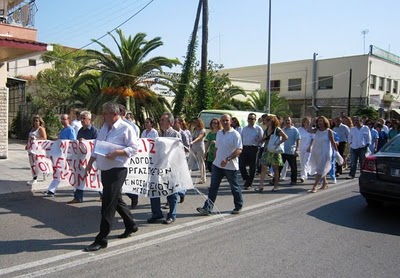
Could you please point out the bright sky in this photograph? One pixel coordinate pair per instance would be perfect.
(238, 29)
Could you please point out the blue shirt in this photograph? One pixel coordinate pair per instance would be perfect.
(343, 131)
(374, 137)
(251, 135)
(67, 133)
(290, 145)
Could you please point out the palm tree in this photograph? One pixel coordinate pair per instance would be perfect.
(125, 75)
(279, 105)
(188, 67)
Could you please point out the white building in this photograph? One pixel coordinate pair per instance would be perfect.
(324, 86)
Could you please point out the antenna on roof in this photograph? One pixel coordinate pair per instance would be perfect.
(364, 32)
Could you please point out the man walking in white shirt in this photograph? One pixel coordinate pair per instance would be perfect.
(359, 139)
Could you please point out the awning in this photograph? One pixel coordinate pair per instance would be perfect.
(13, 48)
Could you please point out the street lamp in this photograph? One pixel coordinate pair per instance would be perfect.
(268, 105)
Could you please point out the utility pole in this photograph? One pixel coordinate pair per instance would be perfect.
(364, 32)
(268, 85)
(348, 101)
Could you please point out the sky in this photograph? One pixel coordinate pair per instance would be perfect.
(238, 29)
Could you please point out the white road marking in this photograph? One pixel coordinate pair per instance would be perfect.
(258, 209)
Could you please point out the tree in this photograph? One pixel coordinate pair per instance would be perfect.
(125, 75)
(279, 105)
(188, 67)
(54, 85)
(368, 112)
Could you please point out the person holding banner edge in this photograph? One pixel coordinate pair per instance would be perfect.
(113, 173)
(86, 132)
(166, 130)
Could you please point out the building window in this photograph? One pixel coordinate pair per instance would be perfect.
(295, 84)
(325, 82)
(275, 85)
(395, 87)
(380, 85)
(32, 62)
(372, 82)
(388, 86)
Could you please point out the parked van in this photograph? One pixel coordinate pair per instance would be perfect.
(207, 115)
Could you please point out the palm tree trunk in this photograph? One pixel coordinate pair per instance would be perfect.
(187, 70)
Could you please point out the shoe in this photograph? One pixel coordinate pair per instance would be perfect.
(31, 182)
(134, 203)
(75, 201)
(154, 219)
(166, 206)
(203, 211)
(247, 187)
(275, 188)
(302, 180)
(129, 232)
(48, 194)
(95, 246)
(168, 221)
(181, 199)
(236, 211)
(334, 181)
(259, 189)
(282, 179)
(349, 178)
(313, 190)
(293, 183)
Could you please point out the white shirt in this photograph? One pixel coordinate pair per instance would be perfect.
(359, 137)
(151, 134)
(226, 143)
(121, 133)
(76, 124)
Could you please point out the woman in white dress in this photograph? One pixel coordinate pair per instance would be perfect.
(197, 148)
(38, 132)
(321, 154)
(305, 148)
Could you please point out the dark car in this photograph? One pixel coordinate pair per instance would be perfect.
(380, 175)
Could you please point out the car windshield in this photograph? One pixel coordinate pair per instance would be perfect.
(392, 147)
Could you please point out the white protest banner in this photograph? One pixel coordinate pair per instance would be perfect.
(68, 161)
(159, 168)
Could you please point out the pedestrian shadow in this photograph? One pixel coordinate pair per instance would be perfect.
(353, 213)
(10, 247)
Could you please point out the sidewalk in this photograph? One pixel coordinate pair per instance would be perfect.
(15, 171)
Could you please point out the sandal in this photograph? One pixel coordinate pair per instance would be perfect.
(324, 186)
(313, 190)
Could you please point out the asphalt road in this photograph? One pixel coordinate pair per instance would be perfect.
(286, 234)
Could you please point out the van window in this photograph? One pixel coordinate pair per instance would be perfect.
(207, 117)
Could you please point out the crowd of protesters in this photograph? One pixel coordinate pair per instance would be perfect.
(322, 146)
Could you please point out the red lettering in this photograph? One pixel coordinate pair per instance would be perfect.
(82, 148)
(152, 146)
